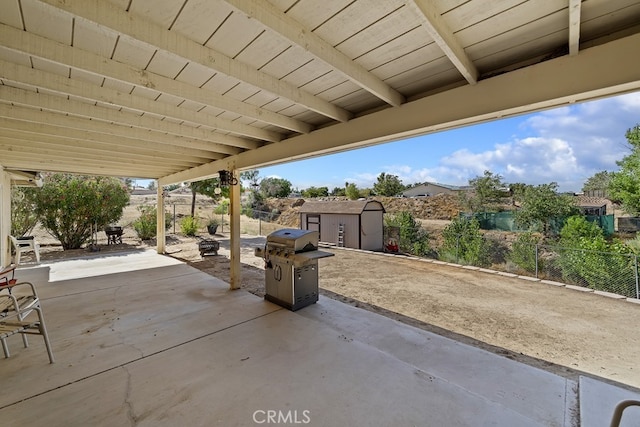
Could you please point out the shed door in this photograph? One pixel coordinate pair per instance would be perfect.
(313, 223)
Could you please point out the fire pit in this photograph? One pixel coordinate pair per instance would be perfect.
(208, 246)
(114, 234)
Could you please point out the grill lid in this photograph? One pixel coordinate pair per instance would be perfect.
(293, 238)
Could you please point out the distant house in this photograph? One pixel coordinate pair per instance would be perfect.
(432, 189)
(354, 224)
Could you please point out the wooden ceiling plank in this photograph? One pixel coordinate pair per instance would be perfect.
(292, 30)
(65, 86)
(139, 28)
(197, 137)
(43, 164)
(541, 86)
(83, 124)
(444, 38)
(17, 132)
(69, 56)
(49, 128)
(78, 149)
(56, 152)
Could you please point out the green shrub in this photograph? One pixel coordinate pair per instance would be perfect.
(222, 208)
(189, 226)
(586, 258)
(413, 238)
(523, 252)
(70, 205)
(146, 224)
(23, 210)
(463, 243)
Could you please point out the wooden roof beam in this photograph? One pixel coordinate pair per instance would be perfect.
(269, 16)
(53, 82)
(41, 47)
(575, 8)
(189, 137)
(105, 14)
(444, 38)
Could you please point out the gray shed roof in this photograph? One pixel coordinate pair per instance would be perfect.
(351, 207)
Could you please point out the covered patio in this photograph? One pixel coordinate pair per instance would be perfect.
(166, 344)
(182, 91)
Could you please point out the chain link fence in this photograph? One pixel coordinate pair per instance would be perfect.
(604, 271)
(253, 222)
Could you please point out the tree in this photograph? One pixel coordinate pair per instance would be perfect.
(253, 177)
(388, 185)
(206, 187)
(70, 205)
(152, 185)
(275, 187)
(625, 184)
(338, 191)
(598, 183)
(413, 238)
(488, 191)
(315, 192)
(23, 214)
(352, 192)
(542, 204)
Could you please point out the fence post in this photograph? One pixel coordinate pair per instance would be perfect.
(174, 218)
(536, 260)
(635, 258)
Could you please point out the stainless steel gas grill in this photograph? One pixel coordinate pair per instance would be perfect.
(291, 267)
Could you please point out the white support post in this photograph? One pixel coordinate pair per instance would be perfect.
(160, 228)
(5, 218)
(235, 207)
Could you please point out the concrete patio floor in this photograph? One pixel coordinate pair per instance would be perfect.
(141, 339)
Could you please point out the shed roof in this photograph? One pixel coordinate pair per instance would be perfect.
(341, 207)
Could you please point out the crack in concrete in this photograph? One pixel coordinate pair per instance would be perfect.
(127, 399)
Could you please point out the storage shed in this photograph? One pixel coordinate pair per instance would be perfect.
(354, 224)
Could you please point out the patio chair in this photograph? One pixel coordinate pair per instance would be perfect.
(16, 322)
(25, 245)
(21, 302)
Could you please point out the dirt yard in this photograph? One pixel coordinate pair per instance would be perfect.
(542, 325)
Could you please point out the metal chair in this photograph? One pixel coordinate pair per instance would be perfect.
(19, 300)
(25, 245)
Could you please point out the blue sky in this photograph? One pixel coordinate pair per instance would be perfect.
(566, 145)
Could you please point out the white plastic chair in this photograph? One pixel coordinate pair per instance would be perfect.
(25, 245)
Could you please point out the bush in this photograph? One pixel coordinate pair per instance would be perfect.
(413, 238)
(146, 224)
(222, 208)
(23, 210)
(189, 226)
(463, 243)
(70, 205)
(523, 252)
(587, 259)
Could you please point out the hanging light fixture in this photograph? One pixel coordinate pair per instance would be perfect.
(227, 178)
